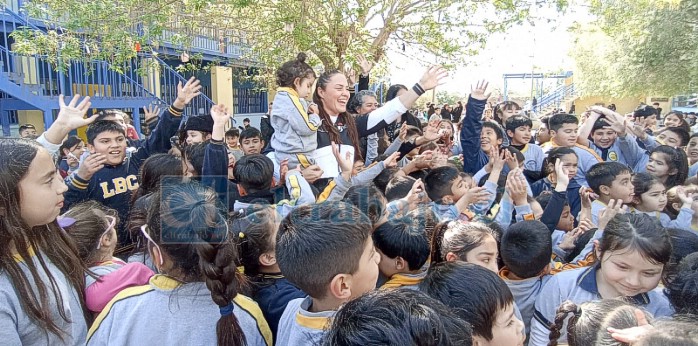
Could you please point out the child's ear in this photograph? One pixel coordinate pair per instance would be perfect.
(479, 341)
(267, 259)
(605, 190)
(510, 133)
(401, 264)
(448, 199)
(91, 148)
(207, 137)
(676, 206)
(340, 287)
(673, 171)
(636, 199)
(451, 257)
(297, 82)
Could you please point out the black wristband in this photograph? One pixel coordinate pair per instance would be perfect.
(418, 89)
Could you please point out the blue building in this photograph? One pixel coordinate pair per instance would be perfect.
(30, 85)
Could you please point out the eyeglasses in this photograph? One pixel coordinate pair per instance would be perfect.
(112, 222)
(147, 236)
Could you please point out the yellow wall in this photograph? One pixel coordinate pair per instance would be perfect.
(222, 86)
(35, 118)
(623, 105)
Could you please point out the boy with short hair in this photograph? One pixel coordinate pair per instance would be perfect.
(477, 137)
(563, 129)
(399, 187)
(27, 131)
(610, 139)
(251, 141)
(526, 250)
(452, 198)
(325, 250)
(232, 140)
(519, 131)
(404, 249)
(609, 180)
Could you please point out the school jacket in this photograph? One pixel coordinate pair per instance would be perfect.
(473, 157)
(113, 185)
(294, 129)
(682, 221)
(525, 293)
(16, 328)
(533, 157)
(579, 286)
(112, 277)
(586, 158)
(272, 293)
(571, 195)
(624, 150)
(405, 280)
(167, 312)
(300, 327)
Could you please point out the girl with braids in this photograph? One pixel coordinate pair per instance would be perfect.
(41, 276)
(589, 322)
(338, 126)
(631, 255)
(256, 243)
(472, 242)
(196, 259)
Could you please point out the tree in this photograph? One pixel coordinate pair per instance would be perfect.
(638, 47)
(334, 31)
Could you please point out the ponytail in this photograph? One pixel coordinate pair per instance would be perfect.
(437, 238)
(563, 311)
(217, 262)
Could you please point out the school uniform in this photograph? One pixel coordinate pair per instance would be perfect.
(294, 136)
(525, 293)
(624, 150)
(579, 286)
(586, 159)
(473, 157)
(682, 221)
(571, 195)
(272, 293)
(596, 208)
(112, 277)
(112, 185)
(447, 212)
(168, 312)
(405, 280)
(16, 328)
(693, 170)
(533, 157)
(298, 326)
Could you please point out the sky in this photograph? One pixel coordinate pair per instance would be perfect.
(544, 47)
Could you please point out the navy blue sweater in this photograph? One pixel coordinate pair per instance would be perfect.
(272, 293)
(473, 157)
(113, 185)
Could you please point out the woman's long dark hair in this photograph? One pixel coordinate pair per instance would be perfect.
(345, 118)
(47, 241)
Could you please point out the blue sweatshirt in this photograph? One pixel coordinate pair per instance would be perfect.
(473, 157)
(113, 185)
(272, 293)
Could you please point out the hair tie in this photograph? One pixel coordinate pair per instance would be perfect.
(64, 221)
(227, 310)
(241, 235)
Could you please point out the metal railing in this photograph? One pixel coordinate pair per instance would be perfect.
(555, 97)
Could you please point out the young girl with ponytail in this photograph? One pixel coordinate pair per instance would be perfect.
(196, 258)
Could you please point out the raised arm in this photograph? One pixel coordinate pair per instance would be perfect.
(472, 127)
(587, 126)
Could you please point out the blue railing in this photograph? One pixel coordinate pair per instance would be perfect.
(555, 97)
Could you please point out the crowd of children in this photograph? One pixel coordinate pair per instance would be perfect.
(576, 229)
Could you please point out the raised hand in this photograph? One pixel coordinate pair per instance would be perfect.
(431, 132)
(391, 161)
(570, 238)
(613, 208)
(403, 132)
(516, 187)
(188, 92)
(561, 177)
(476, 195)
(497, 159)
(220, 114)
(685, 197)
(351, 76)
(345, 162)
(312, 173)
(366, 66)
(433, 77)
(153, 111)
(510, 159)
(91, 165)
(480, 91)
(283, 170)
(72, 115)
(313, 109)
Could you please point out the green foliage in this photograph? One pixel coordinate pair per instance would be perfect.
(638, 47)
(333, 32)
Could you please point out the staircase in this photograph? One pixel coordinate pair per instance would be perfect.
(556, 99)
(34, 82)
